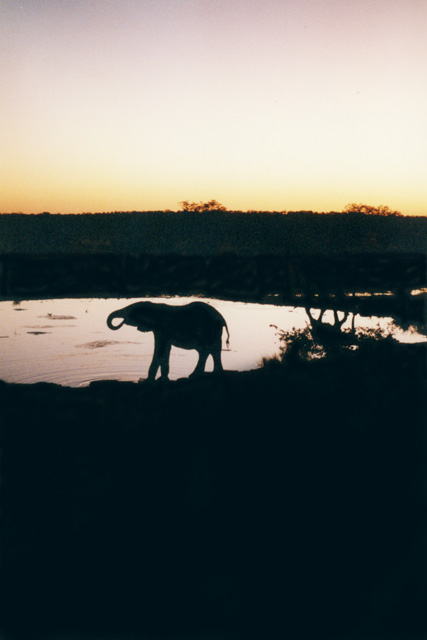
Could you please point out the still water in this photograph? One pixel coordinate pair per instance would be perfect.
(67, 341)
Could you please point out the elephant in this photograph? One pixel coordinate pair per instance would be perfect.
(191, 326)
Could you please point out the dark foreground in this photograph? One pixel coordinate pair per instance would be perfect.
(283, 502)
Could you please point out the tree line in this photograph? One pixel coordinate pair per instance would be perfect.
(351, 208)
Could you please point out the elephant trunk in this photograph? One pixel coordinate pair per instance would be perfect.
(111, 317)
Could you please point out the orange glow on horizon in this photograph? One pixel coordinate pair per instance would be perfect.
(276, 105)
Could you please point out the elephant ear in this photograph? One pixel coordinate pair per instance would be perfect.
(142, 320)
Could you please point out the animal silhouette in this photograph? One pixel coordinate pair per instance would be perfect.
(191, 326)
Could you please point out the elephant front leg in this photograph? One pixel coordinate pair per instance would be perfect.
(160, 359)
(164, 362)
(152, 371)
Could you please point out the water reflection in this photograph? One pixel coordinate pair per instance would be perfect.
(321, 329)
(68, 342)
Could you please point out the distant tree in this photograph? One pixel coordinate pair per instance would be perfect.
(369, 210)
(201, 207)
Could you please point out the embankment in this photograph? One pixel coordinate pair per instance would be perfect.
(283, 502)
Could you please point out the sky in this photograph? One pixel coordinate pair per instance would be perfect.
(122, 105)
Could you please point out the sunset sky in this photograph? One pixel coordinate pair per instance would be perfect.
(261, 104)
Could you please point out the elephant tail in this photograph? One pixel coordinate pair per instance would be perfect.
(110, 319)
(227, 342)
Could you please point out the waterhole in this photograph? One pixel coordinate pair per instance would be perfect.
(67, 341)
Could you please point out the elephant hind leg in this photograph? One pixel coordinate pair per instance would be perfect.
(216, 355)
(200, 367)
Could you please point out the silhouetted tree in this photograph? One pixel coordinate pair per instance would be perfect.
(329, 336)
(201, 207)
(322, 339)
(368, 210)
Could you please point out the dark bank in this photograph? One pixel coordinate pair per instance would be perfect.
(284, 501)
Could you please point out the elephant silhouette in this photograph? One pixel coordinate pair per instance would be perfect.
(191, 326)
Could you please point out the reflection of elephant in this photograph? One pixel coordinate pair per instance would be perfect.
(192, 326)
